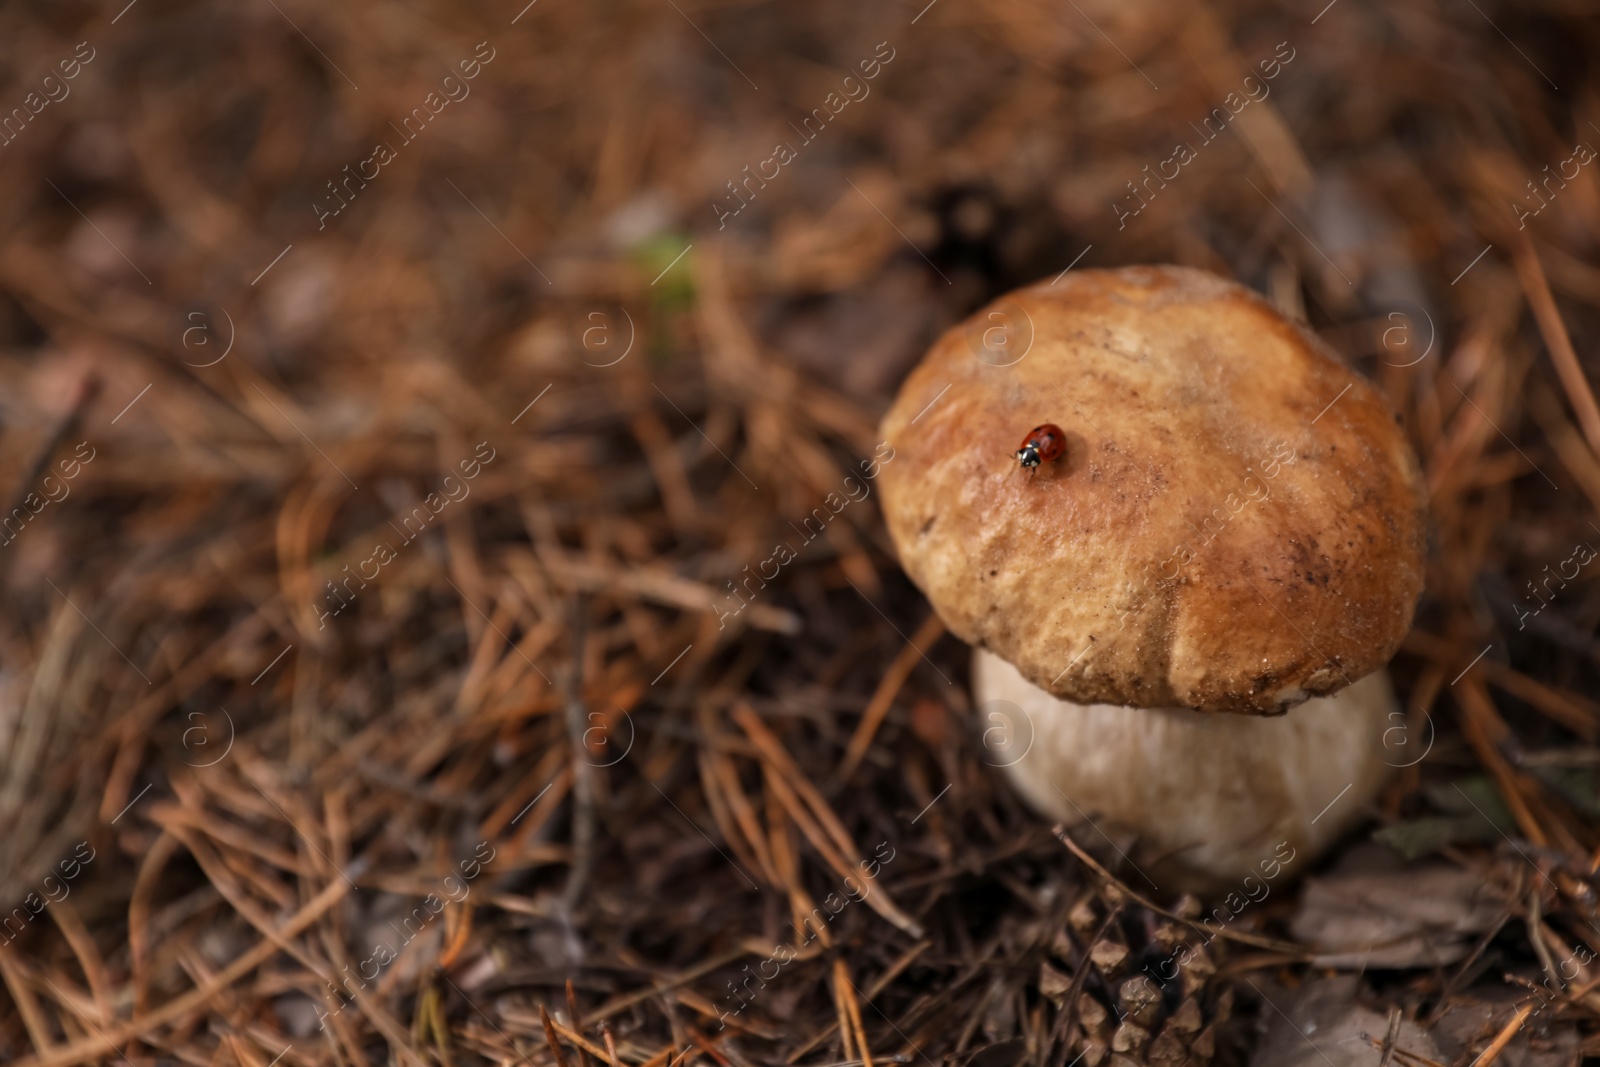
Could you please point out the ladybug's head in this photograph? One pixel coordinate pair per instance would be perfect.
(1028, 455)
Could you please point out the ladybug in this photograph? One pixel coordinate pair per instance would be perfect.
(1042, 445)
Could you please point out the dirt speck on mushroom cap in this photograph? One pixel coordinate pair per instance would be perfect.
(1237, 523)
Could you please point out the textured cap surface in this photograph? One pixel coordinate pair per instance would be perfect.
(1237, 523)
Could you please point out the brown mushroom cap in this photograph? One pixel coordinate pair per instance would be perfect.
(1237, 523)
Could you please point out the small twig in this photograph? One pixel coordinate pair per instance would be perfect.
(706, 1045)
(1503, 1038)
(33, 1020)
(883, 698)
(1461, 972)
(1559, 343)
(878, 985)
(1567, 996)
(847, 992)
(699, 970)
(847, 1032)
(550, 1036)
(577, 1023)
(1407, 1058)
(1534, 919)
(582, 769)
(1388, 1039)
(87, 389)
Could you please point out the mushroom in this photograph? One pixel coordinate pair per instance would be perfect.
(1181, 620)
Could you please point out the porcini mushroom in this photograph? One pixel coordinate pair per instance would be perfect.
(1183, 618)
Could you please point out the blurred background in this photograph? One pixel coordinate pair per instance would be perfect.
(395, 398)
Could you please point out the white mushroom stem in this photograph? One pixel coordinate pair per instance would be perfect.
(1199, 801)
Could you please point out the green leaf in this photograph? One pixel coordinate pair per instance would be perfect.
(1416, 838)
(1579, 785)
(1475, 796)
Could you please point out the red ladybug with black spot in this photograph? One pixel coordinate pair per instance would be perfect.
(1044, 444)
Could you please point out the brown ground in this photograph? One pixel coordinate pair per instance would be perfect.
(524, 731)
